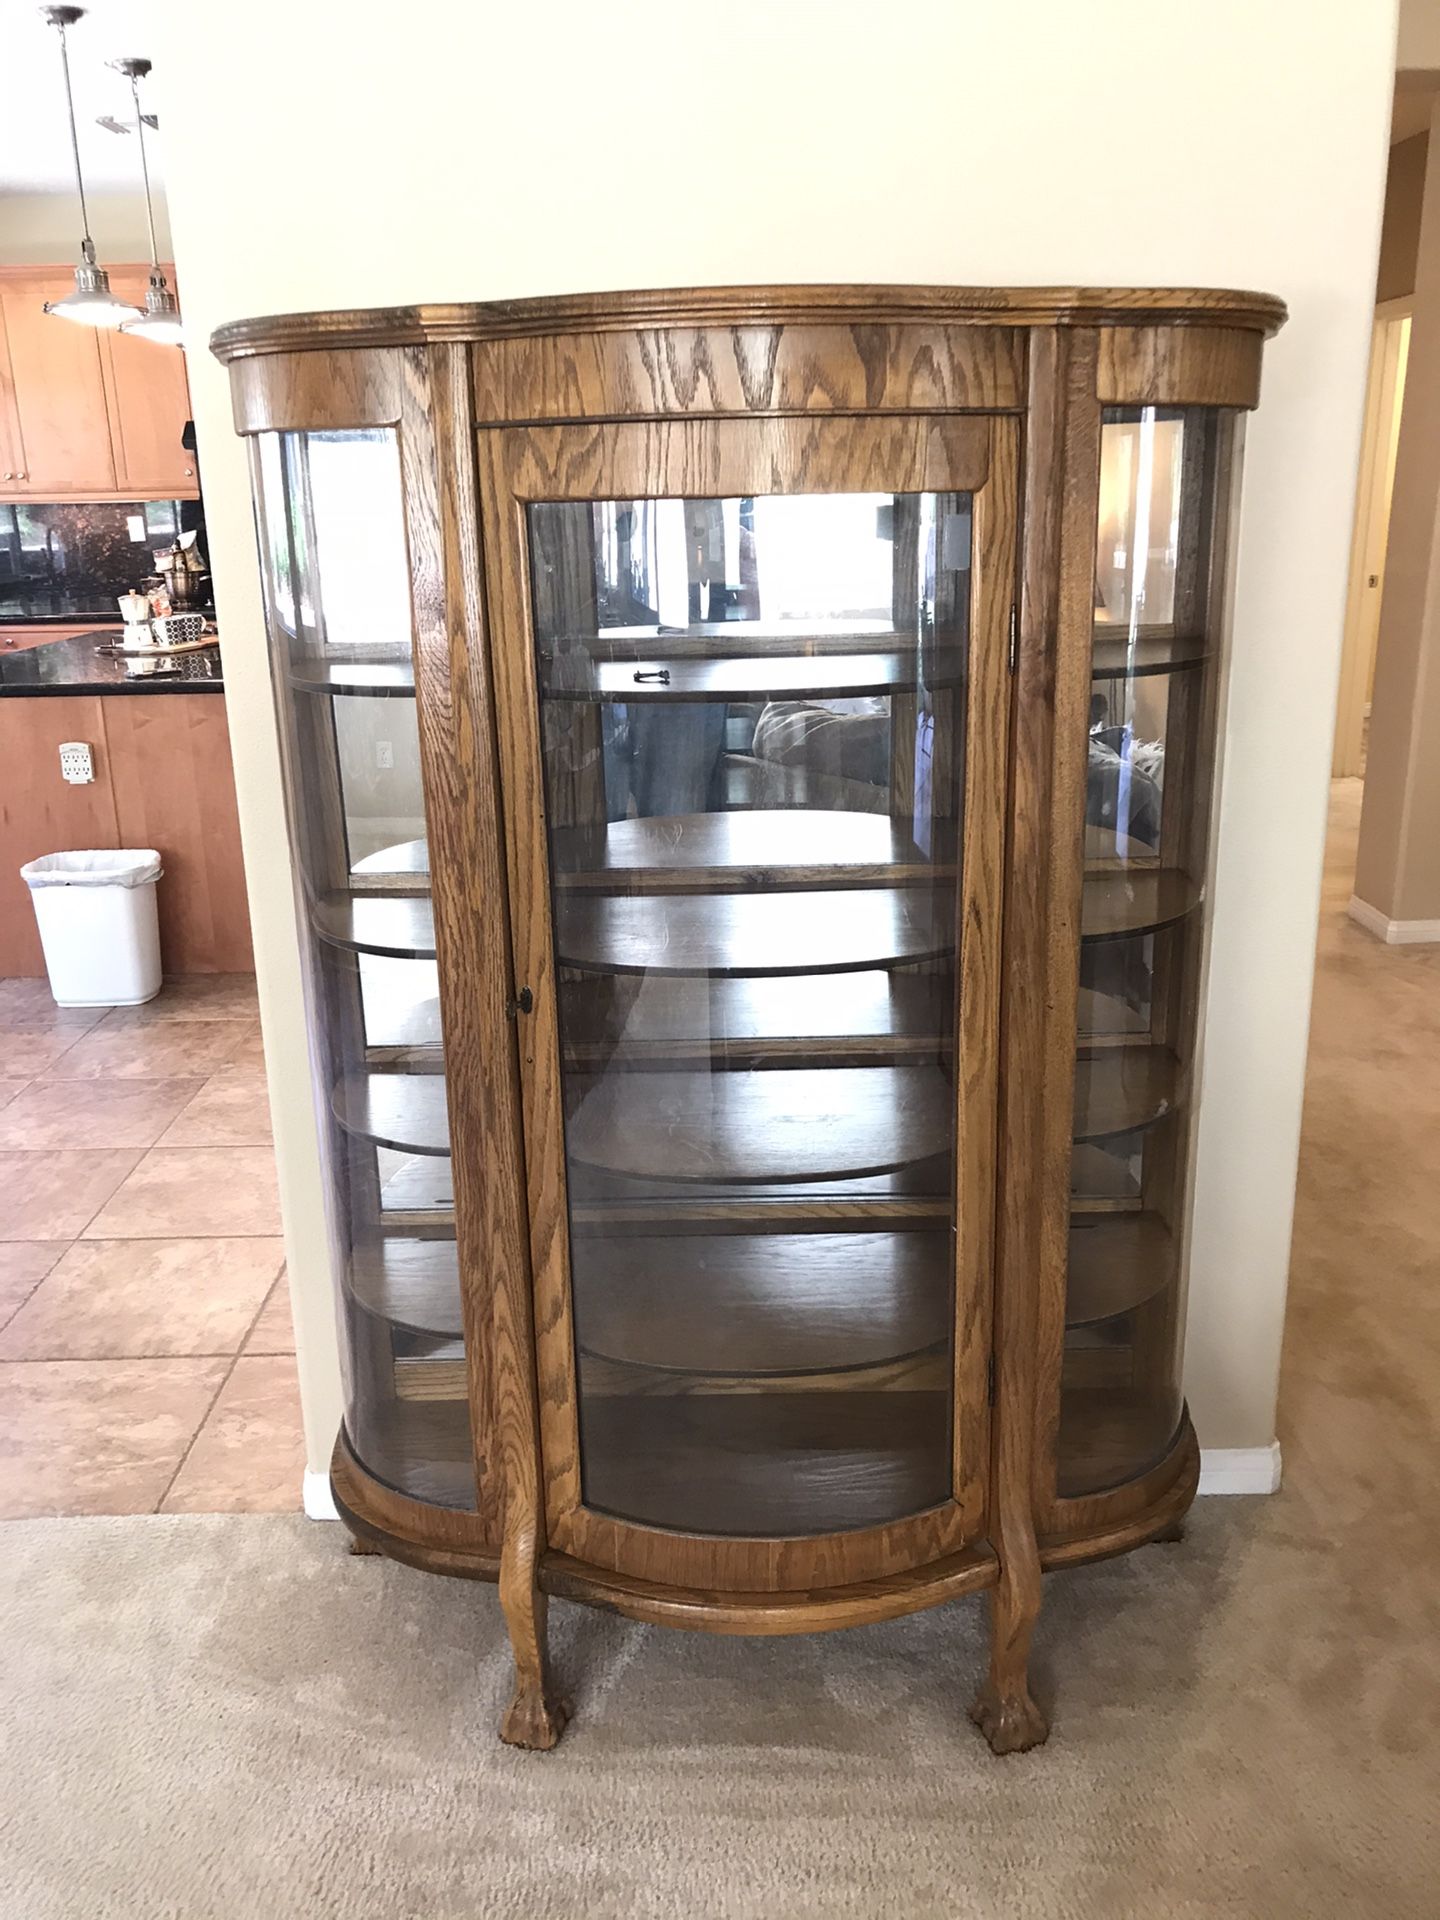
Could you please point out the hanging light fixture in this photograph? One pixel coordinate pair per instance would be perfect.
(161, 318)
(92, 302)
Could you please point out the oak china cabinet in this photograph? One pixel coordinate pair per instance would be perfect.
(749, 758)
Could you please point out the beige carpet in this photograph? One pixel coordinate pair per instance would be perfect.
(229, 1719)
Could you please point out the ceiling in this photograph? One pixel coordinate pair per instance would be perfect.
(34, 136)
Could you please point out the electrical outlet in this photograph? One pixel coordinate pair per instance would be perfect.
(384, 754)
(77, 764)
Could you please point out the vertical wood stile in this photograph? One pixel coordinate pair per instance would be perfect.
(1050, 795)
(472, 938)
(987, 728)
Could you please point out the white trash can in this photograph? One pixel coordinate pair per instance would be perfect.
(98, 925)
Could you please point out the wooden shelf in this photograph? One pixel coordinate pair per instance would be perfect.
(408, 857)
(756, 1304)
(1117, 1262)
(784, 676)
(1122, 1088)
(412, 1283)
(400, 926)
(755, 934)
(404, 1111)
(782, 1126)
(1100, 1179)
(376, 676)
(1104, 1016)
(766, 1464)
(1109, 1436)
(422, 1448)
(1124, 901)
(867, 1018)
(703, 641)
(1115, 655)
(776, 847)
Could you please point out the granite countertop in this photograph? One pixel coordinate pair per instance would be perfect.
(20, 607)
(73, 666)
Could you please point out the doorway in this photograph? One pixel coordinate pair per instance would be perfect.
(1384, 399)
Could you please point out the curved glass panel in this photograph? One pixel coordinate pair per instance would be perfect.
(1159, 607)
(332, 536)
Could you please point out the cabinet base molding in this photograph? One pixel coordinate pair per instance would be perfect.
(1395, 933)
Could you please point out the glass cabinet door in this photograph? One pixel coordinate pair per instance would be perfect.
(1164, 480)
(333, 542)
(751, 711)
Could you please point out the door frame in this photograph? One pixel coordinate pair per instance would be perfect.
(1384, 401)
(976, 453)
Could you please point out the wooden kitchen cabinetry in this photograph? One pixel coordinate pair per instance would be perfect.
(162, 780)
(749, 757)
(86, 414)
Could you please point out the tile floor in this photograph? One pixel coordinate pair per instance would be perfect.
(146, 1353)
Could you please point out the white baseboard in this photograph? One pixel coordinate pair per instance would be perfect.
(1395, 933)
(1240, 1469)
(1222, 1470)
(318, 1499)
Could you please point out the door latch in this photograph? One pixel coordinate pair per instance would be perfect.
(524, 1002)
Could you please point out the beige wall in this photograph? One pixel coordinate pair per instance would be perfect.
(1400, 234)
(37, 229)
(521, 150)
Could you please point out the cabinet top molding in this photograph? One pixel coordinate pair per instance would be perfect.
(1259, 313)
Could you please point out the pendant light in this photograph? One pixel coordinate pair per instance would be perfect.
(92, 302)
(161, 318)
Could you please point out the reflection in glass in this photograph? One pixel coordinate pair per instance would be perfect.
(1158, 611)
(751, 711)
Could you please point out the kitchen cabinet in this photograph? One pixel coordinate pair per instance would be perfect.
(86, 414)
(162, 780)
(149, 403)
(750, 762)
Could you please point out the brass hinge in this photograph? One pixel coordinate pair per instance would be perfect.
(1014, 637)
(523, 1002)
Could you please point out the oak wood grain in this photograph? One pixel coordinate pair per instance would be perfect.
(795, 368)
(752, 306)
(1175, 366)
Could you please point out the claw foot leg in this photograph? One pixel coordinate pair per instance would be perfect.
(534, 1720)
(1012, 1723)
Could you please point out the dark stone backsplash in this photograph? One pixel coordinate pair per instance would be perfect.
(72, 559)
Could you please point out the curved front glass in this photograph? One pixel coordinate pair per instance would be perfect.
(332, 536)
(1159, 607)
(751, 714)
